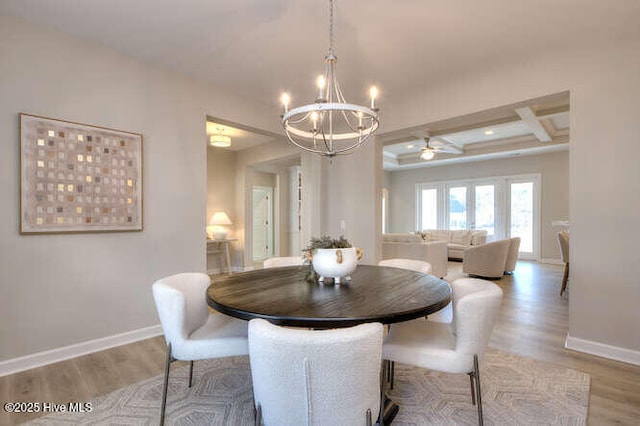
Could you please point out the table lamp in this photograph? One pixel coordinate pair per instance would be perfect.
(218, 220)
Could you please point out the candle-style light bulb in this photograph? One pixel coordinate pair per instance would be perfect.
(321, 83)
(360, 120)
(285, 102)
(314, 118)
(373, 92)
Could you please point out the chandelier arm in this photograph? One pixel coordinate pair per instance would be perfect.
(314, 151)
(338, 90)
(352, 147)
(300, 120)
(324, 139)
(349, 125)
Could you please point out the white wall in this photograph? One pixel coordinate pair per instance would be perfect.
(553, 168)
(58, 290)
(604, 175)
(354, 195)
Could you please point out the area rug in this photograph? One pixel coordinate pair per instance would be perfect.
(515, 391)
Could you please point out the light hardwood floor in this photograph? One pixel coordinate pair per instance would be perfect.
(533, 322)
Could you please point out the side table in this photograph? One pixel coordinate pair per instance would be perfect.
(219, 246)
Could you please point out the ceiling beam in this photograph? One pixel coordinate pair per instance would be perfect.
(529, 118)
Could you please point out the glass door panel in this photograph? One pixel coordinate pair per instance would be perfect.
(458, 207)
(521, 214)
(485, 209)
(429, 209)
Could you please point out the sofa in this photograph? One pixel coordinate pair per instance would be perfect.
(458, 240)
(411, 246)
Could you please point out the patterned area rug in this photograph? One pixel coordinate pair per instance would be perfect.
(515, 391)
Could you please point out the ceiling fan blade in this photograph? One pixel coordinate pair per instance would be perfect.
(441, 146)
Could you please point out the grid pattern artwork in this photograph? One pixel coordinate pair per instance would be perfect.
(78, 178)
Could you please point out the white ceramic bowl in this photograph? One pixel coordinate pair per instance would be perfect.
(335, 263)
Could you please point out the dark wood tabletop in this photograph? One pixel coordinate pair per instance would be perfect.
(283, 297)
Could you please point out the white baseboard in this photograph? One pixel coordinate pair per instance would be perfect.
(39, 359)
(603, 350)
(551, 261)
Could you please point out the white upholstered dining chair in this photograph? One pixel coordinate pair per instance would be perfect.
(275, 262)
(444, 314)
(191, 331)
(411, 264)
(452, 348)
(315, 377)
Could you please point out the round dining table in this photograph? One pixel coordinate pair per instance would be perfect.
(283, 296)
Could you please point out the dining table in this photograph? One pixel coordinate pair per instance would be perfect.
(286, 296)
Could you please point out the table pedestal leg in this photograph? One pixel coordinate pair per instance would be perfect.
(388, 408)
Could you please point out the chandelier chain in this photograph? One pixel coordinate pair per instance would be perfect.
(331, 27)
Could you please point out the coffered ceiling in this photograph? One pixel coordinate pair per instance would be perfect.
(530, 127)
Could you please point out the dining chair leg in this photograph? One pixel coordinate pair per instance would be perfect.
(473, 390)
(258, 415)
(565, 278)
(165, 385)
(383, 378)
(391, 374)
(190, 373)
(476, 373)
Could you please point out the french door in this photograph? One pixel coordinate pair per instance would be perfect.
(472, 206)
(504, 206)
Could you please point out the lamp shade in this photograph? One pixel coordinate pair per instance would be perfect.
(220, 218)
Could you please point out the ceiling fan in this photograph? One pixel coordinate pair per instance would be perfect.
(432, 147)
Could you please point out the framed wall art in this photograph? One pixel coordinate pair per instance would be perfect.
(78, 178)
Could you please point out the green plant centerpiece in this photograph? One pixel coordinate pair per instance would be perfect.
(331, 258)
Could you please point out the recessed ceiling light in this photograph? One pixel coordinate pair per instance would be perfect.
(410, 146)
(488, 132)
(221, 141)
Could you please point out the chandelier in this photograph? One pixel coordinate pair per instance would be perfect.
(330, 126)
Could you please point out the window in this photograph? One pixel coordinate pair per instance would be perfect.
(485, 208)
(429, 209)
(458, 207)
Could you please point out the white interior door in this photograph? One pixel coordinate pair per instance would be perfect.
(262, 223)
